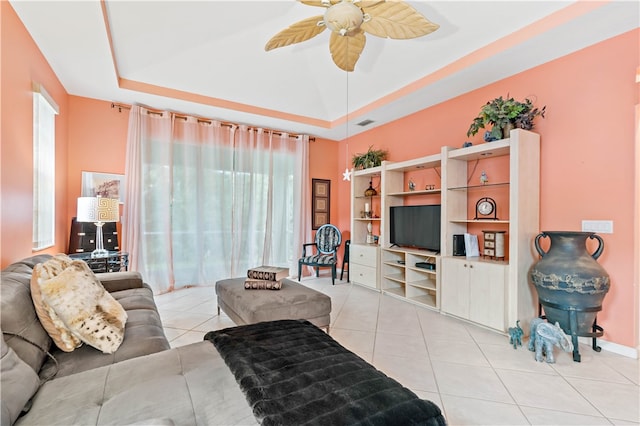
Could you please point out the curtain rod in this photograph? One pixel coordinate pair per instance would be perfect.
(120, 107)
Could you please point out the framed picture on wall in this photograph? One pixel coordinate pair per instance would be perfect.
(107, 185)
(320, 207)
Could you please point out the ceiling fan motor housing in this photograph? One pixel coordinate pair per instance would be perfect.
(343, 18)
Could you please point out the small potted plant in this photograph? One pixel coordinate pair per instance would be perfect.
(371, 158)
(505, 114)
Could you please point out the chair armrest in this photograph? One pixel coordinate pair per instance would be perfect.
(304, 248)
(116, 281)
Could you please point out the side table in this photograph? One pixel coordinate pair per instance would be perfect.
(116, 261)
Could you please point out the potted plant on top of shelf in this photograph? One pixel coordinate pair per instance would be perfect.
(505, 114)
(371, 158)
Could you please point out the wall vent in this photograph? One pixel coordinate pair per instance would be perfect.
(365, 122)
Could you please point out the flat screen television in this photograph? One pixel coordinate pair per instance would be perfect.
(415, 226)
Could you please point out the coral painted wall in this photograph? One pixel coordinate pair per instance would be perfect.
(97, 143)
(323, 164)
(587, 153)
(23, 64)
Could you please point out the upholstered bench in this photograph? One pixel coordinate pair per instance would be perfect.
(292, 301)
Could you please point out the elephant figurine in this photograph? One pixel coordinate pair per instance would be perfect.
(515, 335)
(544, 336)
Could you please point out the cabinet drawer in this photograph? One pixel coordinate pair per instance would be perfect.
(82, 243)
(365, 275)
(363, 255)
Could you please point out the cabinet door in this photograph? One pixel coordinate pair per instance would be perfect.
(455, 287)
(363, 255)
(365, 275)
(363, 264)
(487, 294)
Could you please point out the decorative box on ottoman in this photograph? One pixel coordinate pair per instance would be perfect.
(292, 301)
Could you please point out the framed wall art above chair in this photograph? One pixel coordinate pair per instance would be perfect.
(320, 202)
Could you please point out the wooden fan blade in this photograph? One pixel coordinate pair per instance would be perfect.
(398, 20)
(296, 33)
(364, 4)
(361, 4)
(318, 3)
(345, 50)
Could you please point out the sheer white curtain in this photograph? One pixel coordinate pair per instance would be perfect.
(206, 201)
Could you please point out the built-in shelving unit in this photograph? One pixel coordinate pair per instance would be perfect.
(402, 277)
(395, 192)
(489, 292)
(363, 254)
(493, 293)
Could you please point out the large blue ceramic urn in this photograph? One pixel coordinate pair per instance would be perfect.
(571, 284)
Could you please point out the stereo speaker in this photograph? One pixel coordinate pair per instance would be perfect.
(458, 245)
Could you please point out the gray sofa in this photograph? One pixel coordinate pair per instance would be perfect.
(146, 383)
(143, 382)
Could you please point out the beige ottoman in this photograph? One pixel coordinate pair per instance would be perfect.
(292, 301)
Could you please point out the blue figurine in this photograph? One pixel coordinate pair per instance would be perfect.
(484, 178)
(515, 335)
(488, 137)
(544, 336)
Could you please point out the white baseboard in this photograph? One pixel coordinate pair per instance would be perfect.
(616, 348)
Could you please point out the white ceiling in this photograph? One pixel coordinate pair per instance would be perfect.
(211, 54)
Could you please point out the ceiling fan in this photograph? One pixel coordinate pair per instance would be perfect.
(348, 20)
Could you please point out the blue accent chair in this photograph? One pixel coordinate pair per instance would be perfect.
(325, 255)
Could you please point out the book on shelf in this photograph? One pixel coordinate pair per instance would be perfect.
(252, 284)
(268, 273)
(471, 245)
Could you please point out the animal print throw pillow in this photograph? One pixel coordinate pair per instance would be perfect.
(82, 304)
(58, 331)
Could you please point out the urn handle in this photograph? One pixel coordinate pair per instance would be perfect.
(600, 248)
(537, 243)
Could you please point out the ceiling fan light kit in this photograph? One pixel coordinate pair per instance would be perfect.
(343, 18)
(348, 20)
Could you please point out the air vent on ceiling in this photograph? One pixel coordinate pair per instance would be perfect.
(365, 122)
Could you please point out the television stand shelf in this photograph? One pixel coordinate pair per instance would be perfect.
(402, 278)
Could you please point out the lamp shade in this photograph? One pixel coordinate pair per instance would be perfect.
(98, 209)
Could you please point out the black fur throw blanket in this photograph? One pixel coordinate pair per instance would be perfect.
(293, 373)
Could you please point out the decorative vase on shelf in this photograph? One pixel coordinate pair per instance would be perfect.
(569, 280)
(506, 130)
(370, 233)
(370, 191)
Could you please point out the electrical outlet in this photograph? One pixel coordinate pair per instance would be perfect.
(598, 226)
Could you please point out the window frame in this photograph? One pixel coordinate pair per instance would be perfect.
(44, 169)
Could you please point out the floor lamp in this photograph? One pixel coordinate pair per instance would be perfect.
(99, 211)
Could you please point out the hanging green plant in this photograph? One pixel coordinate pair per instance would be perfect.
(504, 114)
(371, 158)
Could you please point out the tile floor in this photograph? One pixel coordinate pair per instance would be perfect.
(472, 374)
